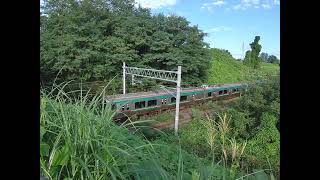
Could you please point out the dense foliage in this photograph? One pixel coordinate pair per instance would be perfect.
(252, 121)
(88, 41)
(265, 57)
(252, 57)
(257, 118)
(273, 59)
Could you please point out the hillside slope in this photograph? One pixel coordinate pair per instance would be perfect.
(226, 69)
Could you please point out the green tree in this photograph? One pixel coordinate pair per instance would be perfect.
(88, 41)
(273, 59)
(247, 58)
(252, 57)
(264, 56)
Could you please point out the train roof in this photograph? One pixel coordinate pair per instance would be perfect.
(162, 92)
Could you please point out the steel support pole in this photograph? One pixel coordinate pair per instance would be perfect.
(124, 77)
(132, 80)
(176, 122)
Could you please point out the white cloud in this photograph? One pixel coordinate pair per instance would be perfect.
(246, 4)
(218, 3)
(218, 29)
(214, 3)
(155, 4)
(266, 6)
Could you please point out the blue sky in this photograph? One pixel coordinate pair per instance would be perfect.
(229, 23)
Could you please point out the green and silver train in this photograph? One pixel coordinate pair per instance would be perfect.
(155, 102)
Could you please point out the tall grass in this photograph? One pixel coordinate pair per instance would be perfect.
(76, 133)
(79, 140)
(217, 134)
(211, 134)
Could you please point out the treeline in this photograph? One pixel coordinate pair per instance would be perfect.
(253, 59)
(265, 57)
(88, 41)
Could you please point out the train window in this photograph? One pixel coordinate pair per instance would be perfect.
(140, 104)
(122, 108)
(152, 102)
(225, 91)
(161, 101)
(173, 99)
(209, 94)
(165, 101)
(183, 98)
(234, 90)
(114, 106)
(220, 92)
(127, 106)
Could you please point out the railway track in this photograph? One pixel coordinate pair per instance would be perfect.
(185, 118)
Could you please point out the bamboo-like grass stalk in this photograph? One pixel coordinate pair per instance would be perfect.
(211, 135)
(224, 128)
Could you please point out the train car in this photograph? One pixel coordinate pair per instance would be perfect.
(155, 102)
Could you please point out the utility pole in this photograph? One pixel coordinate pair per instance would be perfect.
(124, 77)
(171, 76)
(176, 120)
(132, 80)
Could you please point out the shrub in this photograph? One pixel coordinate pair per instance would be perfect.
(265, 146)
